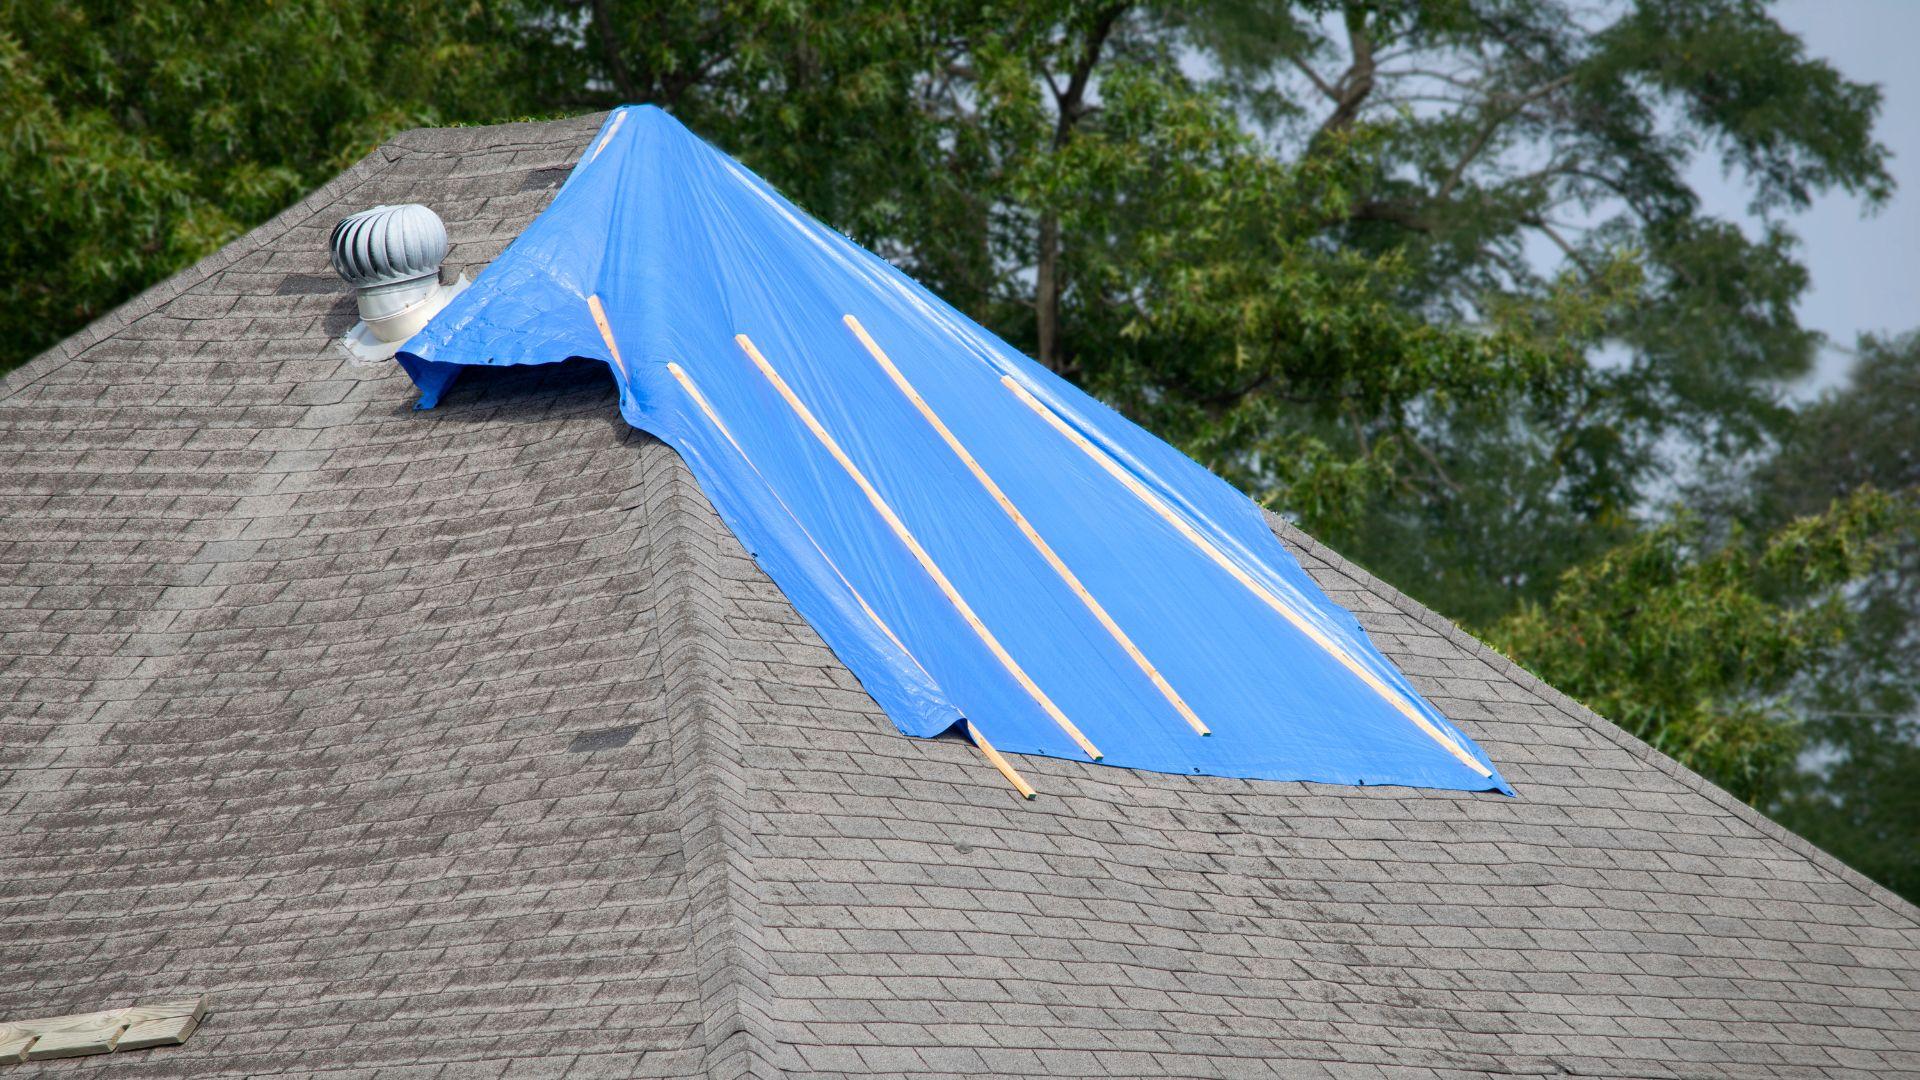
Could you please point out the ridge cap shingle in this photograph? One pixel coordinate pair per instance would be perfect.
(465, 137)
(706, 739)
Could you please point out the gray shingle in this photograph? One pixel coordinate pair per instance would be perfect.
(290, 673)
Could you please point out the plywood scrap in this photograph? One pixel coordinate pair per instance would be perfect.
(160, 1022)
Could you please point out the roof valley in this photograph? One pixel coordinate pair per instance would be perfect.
(706, 741)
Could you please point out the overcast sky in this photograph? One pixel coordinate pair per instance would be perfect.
(1866, 270)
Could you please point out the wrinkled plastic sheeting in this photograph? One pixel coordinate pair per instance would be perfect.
(685, 248)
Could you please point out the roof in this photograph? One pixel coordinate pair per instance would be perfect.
(315, 705)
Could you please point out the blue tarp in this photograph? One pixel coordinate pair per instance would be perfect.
(973, 536)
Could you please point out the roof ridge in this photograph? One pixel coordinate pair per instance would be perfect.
(476, 136)
(1640, 748)
(172, 286)
(705, 738)
(420, 140)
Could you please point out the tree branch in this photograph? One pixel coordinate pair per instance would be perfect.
(1072, 105)
(1401, 214)
(1546, 229)
(1072, 100)
(1307, 70)
(610, 48)
(1357, 82)
(1511, 106)
(1439, 471)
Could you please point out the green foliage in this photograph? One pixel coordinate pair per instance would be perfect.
(1696, 643)
(1515, 125)
(1863, 804)
(1215, 310)
(1862, 433)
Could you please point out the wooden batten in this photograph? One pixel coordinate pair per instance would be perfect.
(906, 537)
(1039, 543)
(1212, 551)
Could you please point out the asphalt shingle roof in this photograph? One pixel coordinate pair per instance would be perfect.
(293, 684)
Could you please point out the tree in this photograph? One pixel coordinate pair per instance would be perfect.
(1513, 126)
(1858, 793)
(1703, 646)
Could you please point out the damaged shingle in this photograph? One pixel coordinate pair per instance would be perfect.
(609, 739)
(545, 179)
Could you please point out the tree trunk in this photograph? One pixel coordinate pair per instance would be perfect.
(611, 52)
(1046, 292)
(1071, 104)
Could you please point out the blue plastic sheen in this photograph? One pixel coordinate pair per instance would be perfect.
(685, 248)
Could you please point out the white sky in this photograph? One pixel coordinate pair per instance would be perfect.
(1865, 269)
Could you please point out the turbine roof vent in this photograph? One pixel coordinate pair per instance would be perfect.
(389, 244)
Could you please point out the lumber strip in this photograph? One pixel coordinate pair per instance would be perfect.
(900, 530)
(699, 399)
(159, 1022)
(999, 761)
(1193, 536)
(1027, 530)
(606, 333)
